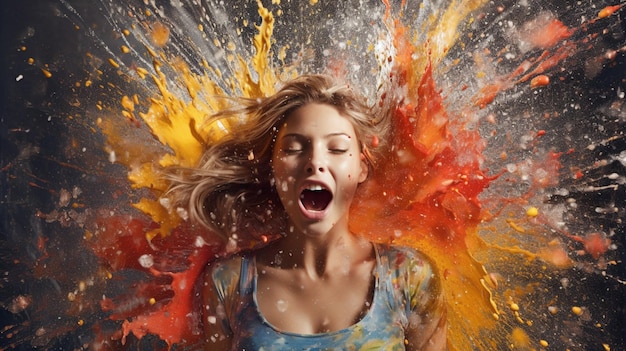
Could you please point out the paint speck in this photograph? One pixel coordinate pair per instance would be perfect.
(553, 310)
(539, 81)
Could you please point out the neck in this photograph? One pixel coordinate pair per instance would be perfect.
(317, 255)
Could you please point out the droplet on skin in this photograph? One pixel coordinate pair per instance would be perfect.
(281, 305)
(532, 212)
(577, 310)
(543, 343)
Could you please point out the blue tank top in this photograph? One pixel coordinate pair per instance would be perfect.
(403, 284)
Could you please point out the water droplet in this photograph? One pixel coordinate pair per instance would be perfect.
(146, 261)
(282, 305)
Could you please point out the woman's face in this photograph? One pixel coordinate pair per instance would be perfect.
(317, 167)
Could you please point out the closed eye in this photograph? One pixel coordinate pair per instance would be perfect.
(292, 151)
(293, 145)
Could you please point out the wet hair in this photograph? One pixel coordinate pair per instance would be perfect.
(231, 191)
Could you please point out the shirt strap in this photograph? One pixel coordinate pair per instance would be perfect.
(247, 275)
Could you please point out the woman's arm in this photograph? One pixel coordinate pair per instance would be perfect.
(217, 334)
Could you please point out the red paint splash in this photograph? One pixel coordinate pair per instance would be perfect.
(545, 32)
(164, 304)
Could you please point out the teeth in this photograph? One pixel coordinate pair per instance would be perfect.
(314, 187)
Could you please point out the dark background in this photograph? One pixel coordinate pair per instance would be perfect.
(38, 157)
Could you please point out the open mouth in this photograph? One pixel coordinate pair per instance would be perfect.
(315, 198)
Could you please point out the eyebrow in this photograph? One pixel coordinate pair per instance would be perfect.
(330, 135)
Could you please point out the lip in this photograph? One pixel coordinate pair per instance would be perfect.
(310, 214)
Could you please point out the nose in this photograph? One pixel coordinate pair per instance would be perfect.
(312, 169)
(316, 162)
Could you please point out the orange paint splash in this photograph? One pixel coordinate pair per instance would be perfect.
(596, 245)
(608, 11)
(545, 31)
(539, 81)
(160, 34)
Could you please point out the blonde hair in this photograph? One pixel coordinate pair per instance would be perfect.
(231, 190)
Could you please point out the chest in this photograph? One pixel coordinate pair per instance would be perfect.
(292, 302)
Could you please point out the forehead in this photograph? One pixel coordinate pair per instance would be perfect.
(316, 118)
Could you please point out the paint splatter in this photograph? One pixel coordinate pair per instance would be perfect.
(507, 164)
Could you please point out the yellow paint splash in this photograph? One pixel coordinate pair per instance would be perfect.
(180, 124)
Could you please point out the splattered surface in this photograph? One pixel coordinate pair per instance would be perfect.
(508, 164)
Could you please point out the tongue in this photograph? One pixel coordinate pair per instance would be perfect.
(315, 200)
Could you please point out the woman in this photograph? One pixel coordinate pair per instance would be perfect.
(292, 169)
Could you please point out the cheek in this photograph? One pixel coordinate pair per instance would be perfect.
(282, 174)
(352, 168)
(351, 179)
(283, 184)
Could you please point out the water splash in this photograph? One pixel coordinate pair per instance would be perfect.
(508, 165)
